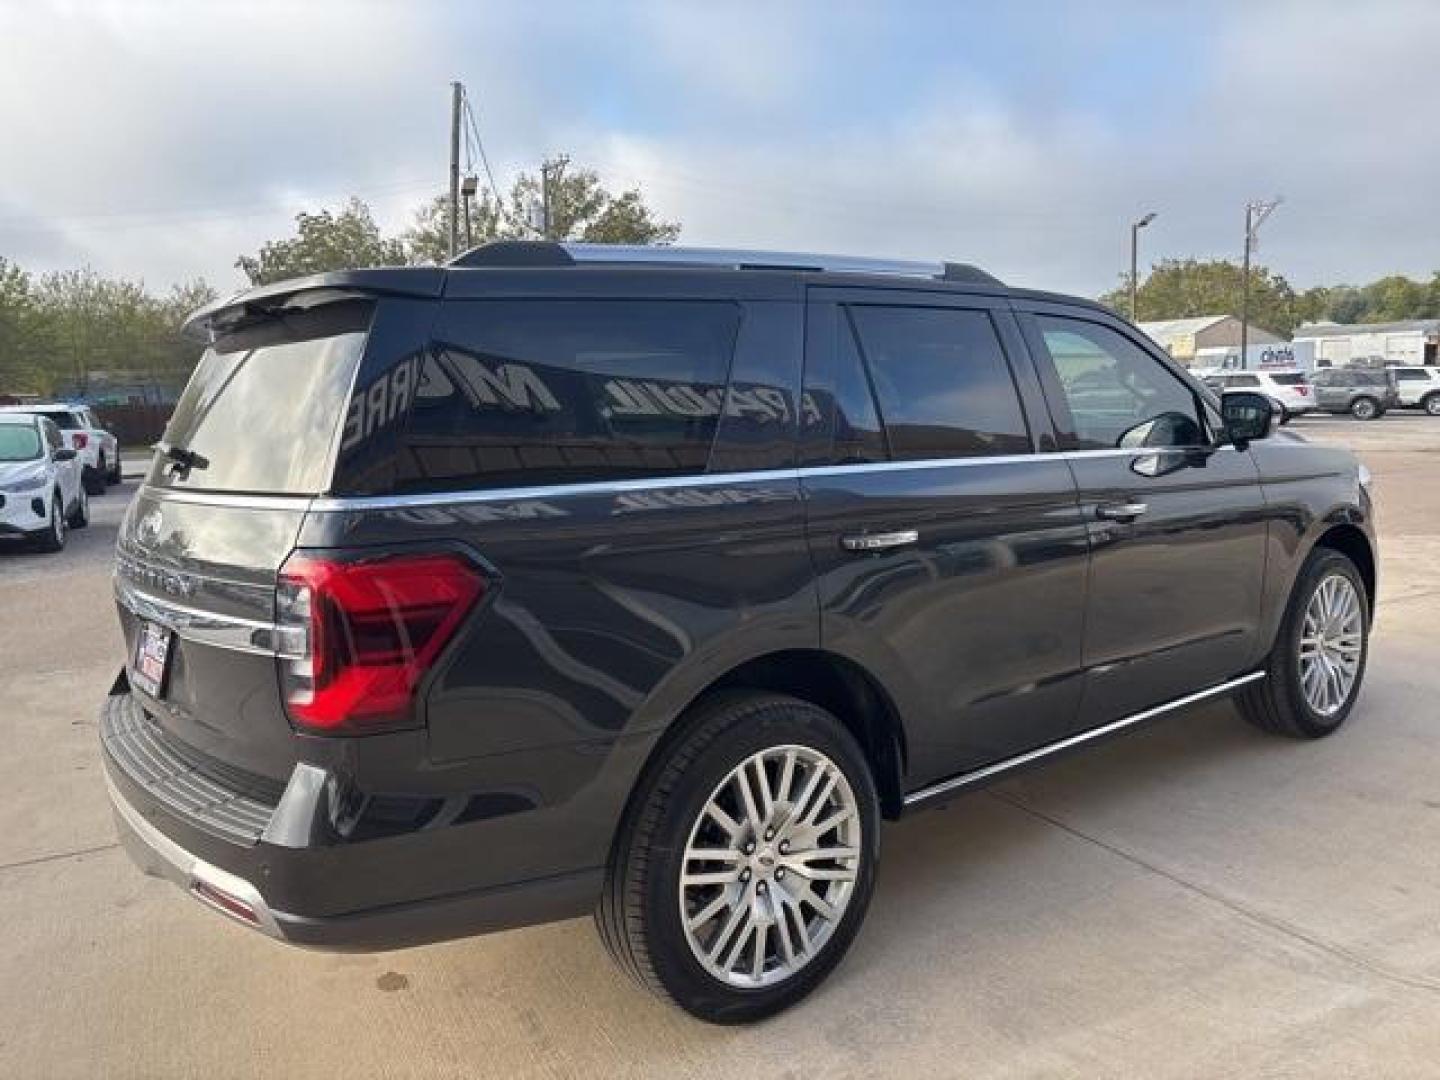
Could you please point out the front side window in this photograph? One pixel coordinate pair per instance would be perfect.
(1292, 378)
(941, 381)
(1411, 375)
(1117, 394)
(531, 392)
(53, 436)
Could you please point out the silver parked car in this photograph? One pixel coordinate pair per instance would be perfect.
(1365, 393)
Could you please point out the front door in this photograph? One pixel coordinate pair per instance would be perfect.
(950, 554)
(1177, 524)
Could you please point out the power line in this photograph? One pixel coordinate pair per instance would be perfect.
(474, 130)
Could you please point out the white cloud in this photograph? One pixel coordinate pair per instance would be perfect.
(162, 141)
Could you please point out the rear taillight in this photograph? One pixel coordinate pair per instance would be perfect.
(1302, 389)
(80, 439)
(358, 634)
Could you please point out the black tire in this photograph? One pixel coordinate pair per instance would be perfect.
(640, 914)
(94, 481)
(1278, 704)
(52, 537)
(79, 517)
(117, 469)
(1431, 404)
(1285, 416)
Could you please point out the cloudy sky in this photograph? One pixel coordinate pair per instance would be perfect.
(159, 141)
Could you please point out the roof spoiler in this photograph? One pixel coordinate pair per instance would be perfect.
(302, 294)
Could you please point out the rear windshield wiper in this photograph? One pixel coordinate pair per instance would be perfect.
(182, 460)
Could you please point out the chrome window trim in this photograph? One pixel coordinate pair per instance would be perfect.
(208, 627)
(340, 504)
(970, 779)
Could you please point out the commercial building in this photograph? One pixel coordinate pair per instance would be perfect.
(1414, 341)
(1184, 338)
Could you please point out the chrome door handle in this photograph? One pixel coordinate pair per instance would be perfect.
(1128, 511)
(879, 541)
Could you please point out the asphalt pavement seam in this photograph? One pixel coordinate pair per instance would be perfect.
(1259, 918)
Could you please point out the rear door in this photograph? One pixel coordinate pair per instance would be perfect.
(1177, 527)
(950, 554)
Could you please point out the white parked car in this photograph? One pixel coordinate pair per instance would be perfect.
(98, 449)
(1290, 390)
(1419, 388)
(41, 489)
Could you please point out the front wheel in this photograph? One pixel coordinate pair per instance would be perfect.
(52, 537)
(1432, 404)
(80, 515)
(1314, 673)
(745, 865)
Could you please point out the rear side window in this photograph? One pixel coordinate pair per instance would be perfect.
(528, 392)
(1411, 375)
(262, 411)
(941, 381)
(66, 421)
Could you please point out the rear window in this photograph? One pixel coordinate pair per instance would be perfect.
(941, 381)
(529, 392)
(261, 412)
(1293, 378)
(66, 421)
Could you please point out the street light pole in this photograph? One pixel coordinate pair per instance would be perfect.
(1255, 213)
(1135, 228)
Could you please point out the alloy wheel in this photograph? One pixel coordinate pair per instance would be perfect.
(770, 866)
(1332, 642)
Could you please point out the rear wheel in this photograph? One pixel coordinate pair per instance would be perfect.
(1314, 673)
(1364, 408)
(115, 468)
(1431, 404)
(746, 863)
(94, 480)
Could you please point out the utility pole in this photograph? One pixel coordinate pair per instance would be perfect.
(1256, 211)
(457, 97)
(1135, 228)
(547, 168)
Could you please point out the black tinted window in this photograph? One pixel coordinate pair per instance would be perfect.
(554, 391)
(858, 438)
(66, 421)
(1117, 394)
(941, 381)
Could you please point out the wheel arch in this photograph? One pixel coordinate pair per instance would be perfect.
(836, 684)
(1352, 542)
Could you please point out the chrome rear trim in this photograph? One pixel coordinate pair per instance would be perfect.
(970, 779)
(207, 627)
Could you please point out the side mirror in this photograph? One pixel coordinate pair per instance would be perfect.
(65, 454)
(1248, 416)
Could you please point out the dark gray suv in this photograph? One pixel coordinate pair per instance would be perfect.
(647, 582)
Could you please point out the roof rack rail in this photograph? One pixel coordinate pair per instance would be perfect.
(535, 253)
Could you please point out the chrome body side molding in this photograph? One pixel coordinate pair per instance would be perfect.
(978, 776)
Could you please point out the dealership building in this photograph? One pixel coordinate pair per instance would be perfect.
(1414, 341)
(1193, 341)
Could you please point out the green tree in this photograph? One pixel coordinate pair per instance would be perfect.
(19, 369)
(581, 208)
(324, 241)
(1184, 288)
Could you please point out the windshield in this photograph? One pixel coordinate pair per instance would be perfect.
(19, 442)
(1293, 378)
(262, 409)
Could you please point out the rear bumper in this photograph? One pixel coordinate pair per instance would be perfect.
(299, 895)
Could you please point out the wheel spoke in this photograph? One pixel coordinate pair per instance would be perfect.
(760, 894)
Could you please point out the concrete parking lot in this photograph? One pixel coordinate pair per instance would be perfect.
(1196, 900)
